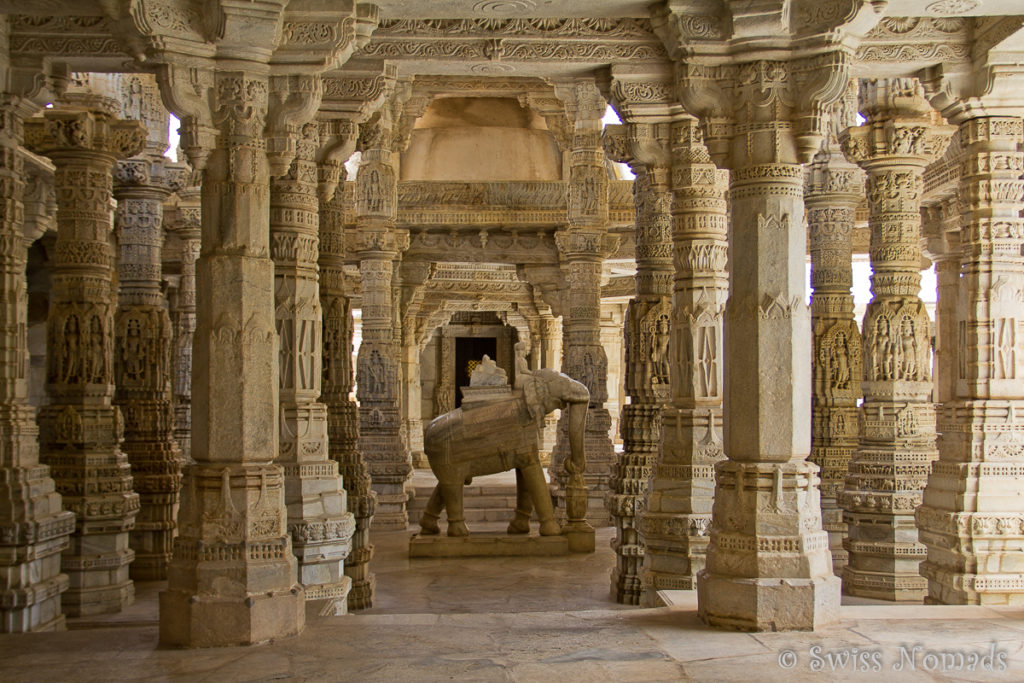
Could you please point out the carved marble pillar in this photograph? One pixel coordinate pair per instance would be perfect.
(188, 227)
(583, 246)
(319, 521)
(378, 244)
(142, 334)
(342, 411)
(34, 528)
(675, 525)
(897, 435)
(832, 191)
(647, 331)
(767, 565)
(971, 519)
(232, 579)
(81, 429)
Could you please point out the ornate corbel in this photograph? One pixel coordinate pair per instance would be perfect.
(337, 143)
(293, 102)
(187, 92)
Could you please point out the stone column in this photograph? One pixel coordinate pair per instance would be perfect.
(647, 330)
(232, 579)
(34, 528)
(342, 411)
(318, 518)
(832, 191)
(897, 437)
(142, 333)
(378, 244)
(768, 565)
(676, 523)
(971, 519)
(188, 226)
(947, 257)
(81, 429)
(583, 246)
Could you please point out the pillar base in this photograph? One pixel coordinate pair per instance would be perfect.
(334, 597)
(768, 604)
(581, 537)
(191, 620)
(361, 594)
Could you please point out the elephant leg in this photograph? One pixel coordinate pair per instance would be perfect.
(533, 477)
(428, 520)
(452, 494)
(520, 524)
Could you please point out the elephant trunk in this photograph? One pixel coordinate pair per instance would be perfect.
(577, 461)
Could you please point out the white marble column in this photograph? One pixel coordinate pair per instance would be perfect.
(378, 243)
(833, 189)
(80, 429)
(319, 521)
(583, 246)
(768, 565)
(342, 411)
(188, 226)
(676, 524)
(897, 438)
(142, 336)
(232, 579)
(971, 519)
(34, 528)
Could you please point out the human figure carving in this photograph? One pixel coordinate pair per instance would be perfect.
(488, 374)
(908, 346)
(659, 351)
(495, 436)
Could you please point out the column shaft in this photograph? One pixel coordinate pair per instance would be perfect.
(378, 372)
(232, 579)
(318, 518)
(189, 229)
(833, 191)
(342, 411)
(897, 439)
(676, 523)
(647, 330)
(34, 528)
(971, 521)
(143, 337)
(81, 429)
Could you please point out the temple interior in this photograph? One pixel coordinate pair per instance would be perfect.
(510, 339)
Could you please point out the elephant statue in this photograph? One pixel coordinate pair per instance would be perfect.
(490, 436)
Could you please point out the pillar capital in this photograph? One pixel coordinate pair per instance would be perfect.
(901, 129)
(69, 132)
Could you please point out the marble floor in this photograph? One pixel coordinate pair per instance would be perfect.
(547, 619)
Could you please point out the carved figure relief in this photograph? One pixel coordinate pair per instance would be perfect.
(839, 361)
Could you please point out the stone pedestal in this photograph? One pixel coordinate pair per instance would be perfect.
(142, 360)
(677, 521)
(34, 528)
(833, 189)
(971, 520)
(233, 579)
(897, 437)
(80, 429)
(319, 521)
